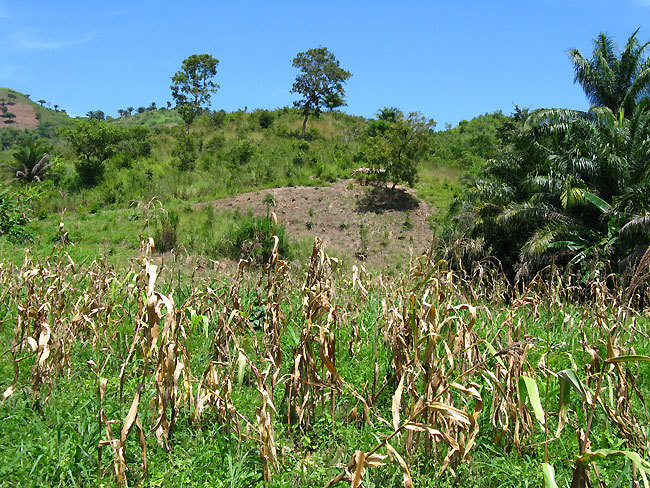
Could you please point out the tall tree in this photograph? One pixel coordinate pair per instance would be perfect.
(192, 86)
(321, 78)
(613, 80)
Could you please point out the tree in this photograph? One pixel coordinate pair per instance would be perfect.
(398, 149)
(9, 117)
(141, 110)
(42, 102)
(609, 79)
(334, 100)
(152, 107)
(56, 107)
(31, 162)
(96, 114)
(321, 79)
(129, 110)
(192, 86)
(94, 141)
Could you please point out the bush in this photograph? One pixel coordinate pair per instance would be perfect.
(13, 215)
(166, 236)
(265, 119)
(252, 239)
(241, 153)
(90, 171)
(184, 151)
(218, 118)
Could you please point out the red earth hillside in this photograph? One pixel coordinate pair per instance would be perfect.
(25, 117)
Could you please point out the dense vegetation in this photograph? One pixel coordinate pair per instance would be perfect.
(512, 353)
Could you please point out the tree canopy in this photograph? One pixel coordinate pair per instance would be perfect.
(193, 85)
(613, 80)
(397, 144)
(320, 82)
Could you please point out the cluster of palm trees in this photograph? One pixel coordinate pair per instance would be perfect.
(569, 187)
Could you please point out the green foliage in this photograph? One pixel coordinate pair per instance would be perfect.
(614, 80)
(184, 151)
(251, 238)
(562, 189)
(241, 153)
(192, 86)
(14, 207)
(31, 161)
(94, 142)
(319, 83)
(398, 147)
(96, 115)
(265, 118)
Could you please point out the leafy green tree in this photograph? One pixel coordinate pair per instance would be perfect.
(400, 146)
(9, 117)
(321, 79)
(42, 102)
(192, 86)
(152, 107)
(613, 80)
(141, 110)
(30, 162)
(94, 141)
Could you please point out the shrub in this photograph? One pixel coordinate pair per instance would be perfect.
(166, 236)
(31, 161)
(218, 118)
(252, 238)
(265, 119)
(13, 215)
(241, 153)
(184, 151)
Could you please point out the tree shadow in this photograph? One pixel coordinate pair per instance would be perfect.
(380, 199)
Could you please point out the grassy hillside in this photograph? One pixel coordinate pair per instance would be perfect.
(226, 154)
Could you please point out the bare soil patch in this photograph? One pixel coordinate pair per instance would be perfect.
(25, 117)
(372, 224)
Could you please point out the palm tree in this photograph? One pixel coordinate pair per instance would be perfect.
(570, 186)
(31, 162)
(609, 79)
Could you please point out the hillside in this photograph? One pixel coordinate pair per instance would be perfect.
(233, 160)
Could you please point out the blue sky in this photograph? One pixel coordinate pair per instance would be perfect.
(451, 60)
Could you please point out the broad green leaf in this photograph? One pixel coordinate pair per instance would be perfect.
(570, 376)
(597, 201)
(549, 476)
(533, 395)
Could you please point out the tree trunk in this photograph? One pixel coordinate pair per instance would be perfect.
(304, 125)
(187, 129)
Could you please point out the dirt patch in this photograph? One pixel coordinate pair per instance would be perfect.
(25, 117)
(367, 223)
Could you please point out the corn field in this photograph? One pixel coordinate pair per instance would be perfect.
(314, 375)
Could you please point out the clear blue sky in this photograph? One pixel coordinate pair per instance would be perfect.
(451, 59)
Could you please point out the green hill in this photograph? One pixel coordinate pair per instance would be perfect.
(153, 164)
